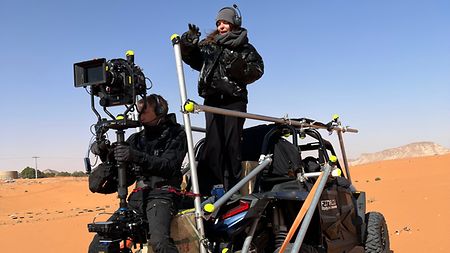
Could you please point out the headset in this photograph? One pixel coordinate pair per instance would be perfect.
(237, 18)
(159, 109)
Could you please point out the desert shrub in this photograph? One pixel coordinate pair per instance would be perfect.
(49, 174)
(79, 174)
(63, 174)
(29, 172)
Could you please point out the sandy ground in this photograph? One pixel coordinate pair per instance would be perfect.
(414, 196)
(50, 215)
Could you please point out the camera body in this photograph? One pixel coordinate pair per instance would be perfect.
(115, 82)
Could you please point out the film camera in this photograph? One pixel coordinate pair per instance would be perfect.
(115, 82)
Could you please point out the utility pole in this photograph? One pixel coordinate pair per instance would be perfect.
(35, 165)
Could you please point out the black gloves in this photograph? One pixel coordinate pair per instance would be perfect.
(193, 35)
(100, 148)
(128, 154)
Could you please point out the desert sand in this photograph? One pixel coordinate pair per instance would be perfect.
(50, 215)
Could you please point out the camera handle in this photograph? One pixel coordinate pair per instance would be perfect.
(122, 189)
(120, 124)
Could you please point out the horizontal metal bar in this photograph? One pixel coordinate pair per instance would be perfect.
(284, 121)
(197, 129)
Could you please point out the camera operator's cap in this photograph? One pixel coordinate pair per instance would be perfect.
(227, 14)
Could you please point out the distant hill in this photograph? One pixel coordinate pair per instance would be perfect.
(49, 171)
(416, 149)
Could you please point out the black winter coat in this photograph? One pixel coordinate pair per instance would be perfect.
(224, 71)
(165, 148)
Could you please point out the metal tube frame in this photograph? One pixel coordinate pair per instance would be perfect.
(222, 200)
(249, 238)
(309, 214)
(187, 126)
(344, 156)
(285, 121)
(266, 161)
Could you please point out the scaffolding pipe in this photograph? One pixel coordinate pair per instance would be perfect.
(344, 156)
(267, 160)
(284, 121)
(309, 214)
(187, 126)
(249, 238)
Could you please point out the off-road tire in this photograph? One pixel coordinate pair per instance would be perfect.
(377, 235)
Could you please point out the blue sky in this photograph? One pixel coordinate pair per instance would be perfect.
(383, 66)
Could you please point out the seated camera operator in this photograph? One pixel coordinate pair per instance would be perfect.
(156, 153)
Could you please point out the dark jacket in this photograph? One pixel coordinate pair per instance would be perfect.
(224, 71)
(165, 147)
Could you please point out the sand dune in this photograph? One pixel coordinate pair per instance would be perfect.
(50, 215)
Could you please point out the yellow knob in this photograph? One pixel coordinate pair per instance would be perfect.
(336, 173)
(189, 106)
(335, 116)
(174, 36)
(333, 159)
(130, 52)
(120, 117)
(225, 250)
(209, 208)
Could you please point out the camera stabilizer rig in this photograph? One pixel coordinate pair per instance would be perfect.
(115, 82)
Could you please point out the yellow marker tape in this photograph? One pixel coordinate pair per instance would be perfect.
(209, 208)
(189, 106)
(130, 52)
(174, 36)
(333, 159)
(129, 80)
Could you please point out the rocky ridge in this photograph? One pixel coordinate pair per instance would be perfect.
(416, 149)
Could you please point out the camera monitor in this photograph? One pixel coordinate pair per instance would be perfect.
(91, 72)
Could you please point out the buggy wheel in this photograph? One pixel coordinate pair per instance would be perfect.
(377, 236)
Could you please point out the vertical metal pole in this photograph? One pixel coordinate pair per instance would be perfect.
(187, 126)
(35, 166)
(344, 155)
